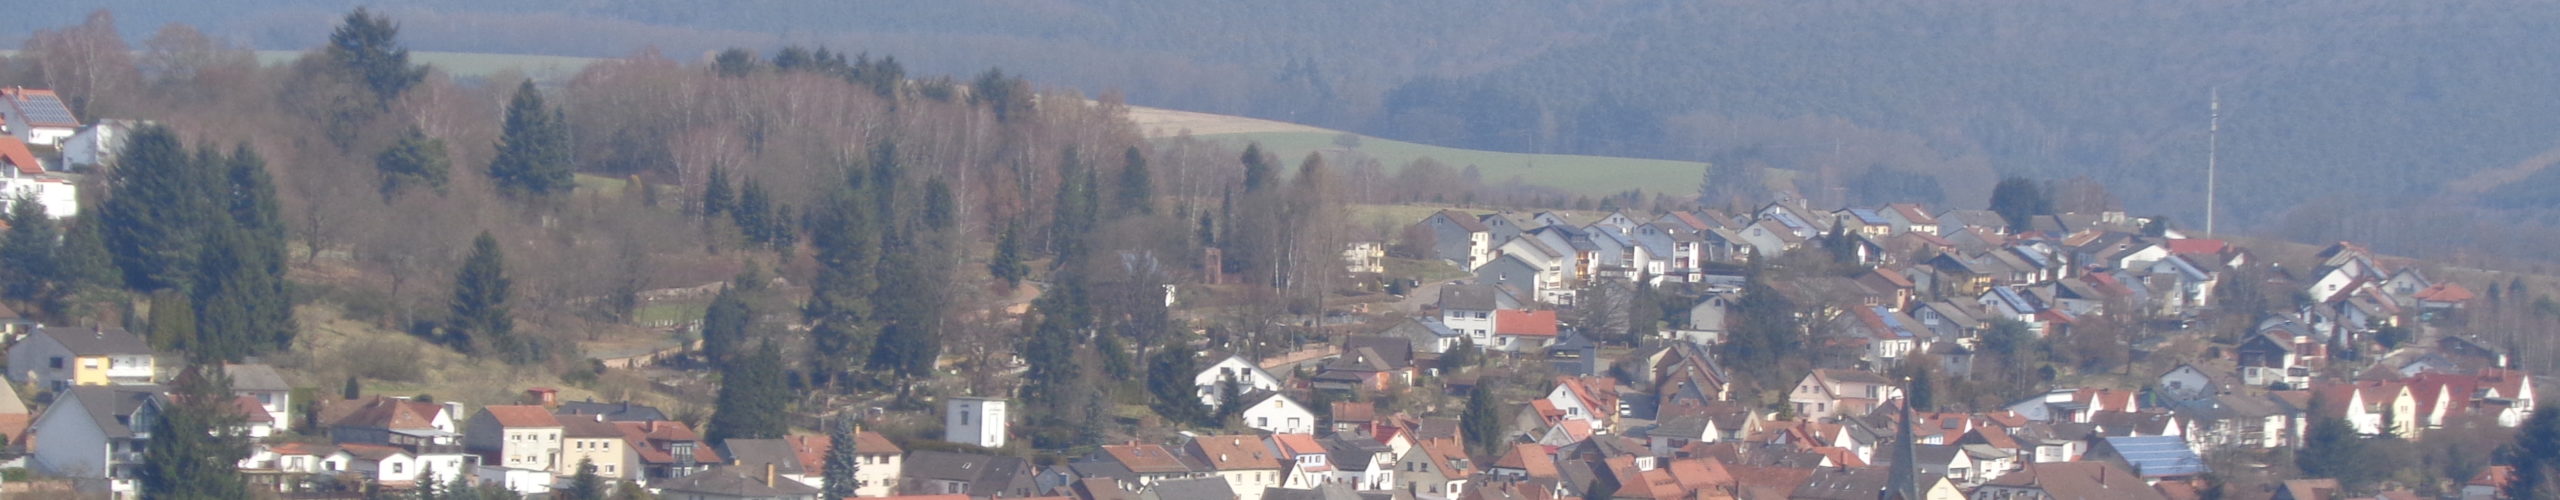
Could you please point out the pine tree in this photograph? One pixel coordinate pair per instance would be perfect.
(2018, 201)
(481, 321)
(1169, 384)
(2535, 455)
(1007, 264)
(1068, 229)
(585, 485)
(716, 198)
(1137, 189)
(753, 401)
(28, 252)
(258, 217)
(352, 390)
(724, 325)
(416, 161)
(844, 458)
(1257, 168)
(839, 310)
(1050, 352)
(173, 320)
(83, 258)
(754, 214)
(533, 152)
(227, 325)
(196, 444)
(367, 47)
(1462, 357)
(1482, 421)
(156, 209)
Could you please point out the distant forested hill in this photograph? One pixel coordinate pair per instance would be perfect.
(2363, 103)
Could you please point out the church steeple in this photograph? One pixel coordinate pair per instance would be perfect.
(1903, 483)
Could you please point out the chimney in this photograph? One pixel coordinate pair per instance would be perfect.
(769, 470)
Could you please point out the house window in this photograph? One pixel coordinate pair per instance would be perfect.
(57, 362)
(1262, 421)
(964, 418)
(396, 468)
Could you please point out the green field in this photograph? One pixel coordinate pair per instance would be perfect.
(1591, 175)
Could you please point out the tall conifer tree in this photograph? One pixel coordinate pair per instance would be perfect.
(533, 152)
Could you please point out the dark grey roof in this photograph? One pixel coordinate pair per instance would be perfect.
(613, 412)
(95, 340)
(1476, 297)
(736, 482)
(1205, 488)
(256, 377)
(1330, 491)
(1348, 450)
(755, 453)
(110, 406)
(986, 474)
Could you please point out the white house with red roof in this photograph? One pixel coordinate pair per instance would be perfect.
(37, 116)
(1591, 399)
(22, 174)
(1522, 330)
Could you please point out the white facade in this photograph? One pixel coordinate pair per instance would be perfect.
(1232, 369)
(974, 421)
(1476, 325)
(1280, 415)
(95, 145)
(59, 196)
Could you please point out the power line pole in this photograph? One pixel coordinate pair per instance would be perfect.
(2212, 155)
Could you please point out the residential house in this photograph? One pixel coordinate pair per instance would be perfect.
(1360, 460)
(2187, 382)
(2155, 458)
(664, 449)
(1243, 375)
(1426, 334)
(417, 425)
(1522, 330)
(931, 472)
(95, 145)
(1707, 323)
(261, 383)
(2065, 405)
(1435, 469)
(1140, 466)
(1516, 272)
(2489, 484)
(401, 468)
(22, 174)
(1867, 484)
(1206, 488)
(1827, 393)
(975, 421)
(1303, 461)
(58, 357)
(95, 435)
(2249, 422)
(1910, 217)
(590, 439)
(1459, 238)
(1278, 414)
(735, 483)
(1364, 257)
(1243, 461)
(517, 436)
(1468, 309)
(2267, 359)
(620, 411)
(37, 116)
(1592, 399)
(2067, 480)
(882, 462)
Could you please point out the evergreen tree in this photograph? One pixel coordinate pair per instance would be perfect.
(724, 326)
(416, 161)
(2535, 455)
(844, 458)
(1050, 350)
(1137, 189)
(910, 302)
(1007, 264)
(2332, 448)
(839, 310)
(754, 214)
(941, 209)
(196, 445)
(1169, 384)
(1461, 357)
(481, 321)
(584, 485)
(1069, 228)
(260, 280)
(2018, 201)
(735, 62)
(352, 390)
(173, 320)
(31, 273)
(83, 259)
(156, 209)
(1763, 332)
(1257, 168)
(533, 152)
(366, 46)
(228, 327)
(753, 401)
(1482, 421)
(716, 198)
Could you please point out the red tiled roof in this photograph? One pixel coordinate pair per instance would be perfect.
(649, 440)
(1524, 323)
(383, 412)
(2444, 292)
(2194, 246)
(1235, 452)
(1145, 458)
(1347, 411)
(521, 416)
(14, 154)
(1537, 460)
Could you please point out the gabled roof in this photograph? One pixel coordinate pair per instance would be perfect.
(383, 413)
(1235, 452)
(1525, 323)
(1537, 460)
(754, 454)
(1205, 488)
(2078, 480)
(623, 411)
(1146, 458)
(520, 416)
(95, 340)
(39, 107)
(111, 406)
(2444, 292)
(650, 440)
(1475, 297)
(14, 154)
(734, 482)
(2158, 456)
(255, 377)
(1465, 222)
(587, 427)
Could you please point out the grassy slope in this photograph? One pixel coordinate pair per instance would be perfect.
(1591, 175)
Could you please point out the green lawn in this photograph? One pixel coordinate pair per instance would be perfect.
(1592, 175)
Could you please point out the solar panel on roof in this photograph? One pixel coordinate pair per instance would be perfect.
(41, 108)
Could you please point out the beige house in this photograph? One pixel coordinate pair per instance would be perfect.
(517, 437)
(591, 438)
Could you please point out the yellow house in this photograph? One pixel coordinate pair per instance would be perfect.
(55, 358)
(591, 439)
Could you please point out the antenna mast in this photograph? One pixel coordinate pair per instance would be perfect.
(2213, 153)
